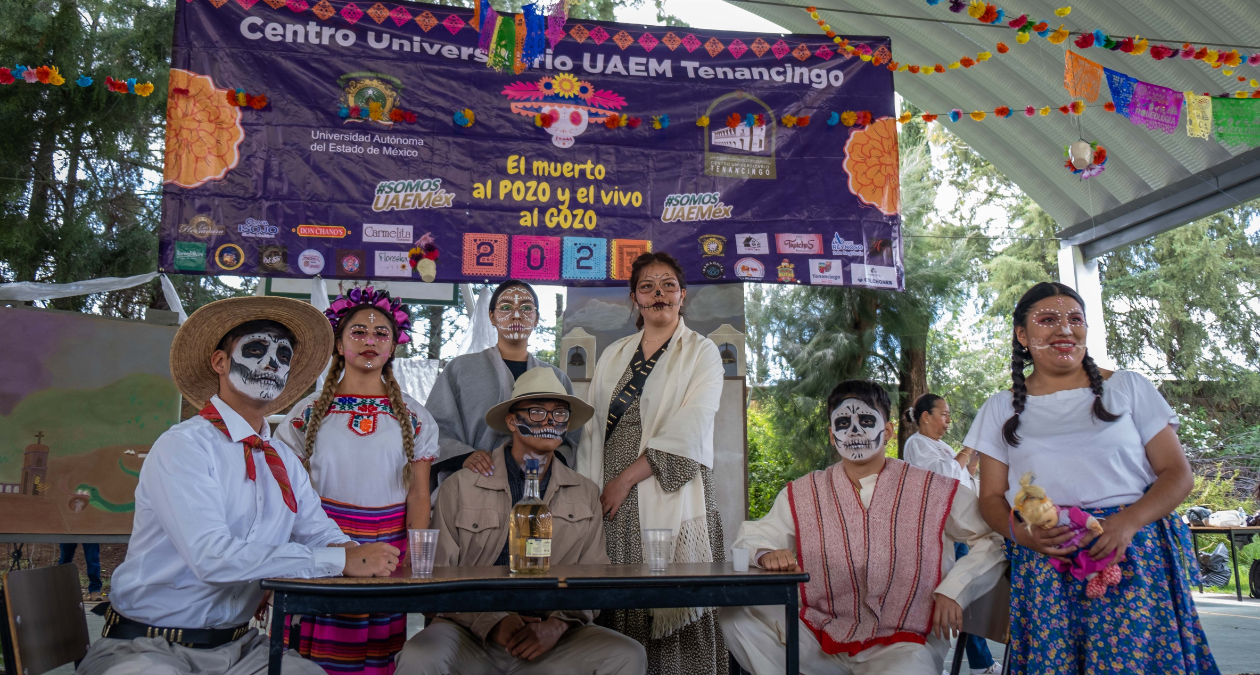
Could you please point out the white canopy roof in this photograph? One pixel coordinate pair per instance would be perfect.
(1154, 181)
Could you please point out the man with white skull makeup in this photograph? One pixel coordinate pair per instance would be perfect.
(221, 504)
(472, 514)
(473, 383)
(875, 535)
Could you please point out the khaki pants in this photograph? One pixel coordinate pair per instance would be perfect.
(756, 637)
(447, 648)
(155, 656)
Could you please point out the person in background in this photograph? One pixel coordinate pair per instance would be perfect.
(473, 383)
(368, 447)
(92, 558)
(1105, 442)
(883, 595)
(221, 504)
(650, 445)
(472, 517)
(926, 450)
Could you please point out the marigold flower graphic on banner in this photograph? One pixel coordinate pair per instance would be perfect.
(871, 162)
(203, 132)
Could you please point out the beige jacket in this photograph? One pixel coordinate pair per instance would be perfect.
(472, 516)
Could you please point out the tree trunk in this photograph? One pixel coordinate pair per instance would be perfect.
(912, 383)
(435, 331)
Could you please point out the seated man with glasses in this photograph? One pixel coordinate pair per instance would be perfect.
(472, 513)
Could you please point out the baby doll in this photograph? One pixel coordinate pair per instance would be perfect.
(1037, 509)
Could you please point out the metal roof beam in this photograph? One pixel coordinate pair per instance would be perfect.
(1223, 186)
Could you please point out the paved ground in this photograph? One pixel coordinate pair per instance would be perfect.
(1233, 630)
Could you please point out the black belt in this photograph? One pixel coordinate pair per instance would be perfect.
(120, 627)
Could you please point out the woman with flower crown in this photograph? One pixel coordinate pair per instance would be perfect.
(368, 447)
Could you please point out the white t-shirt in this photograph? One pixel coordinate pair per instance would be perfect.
(1079, 460)
(936, 456)
(358, 455)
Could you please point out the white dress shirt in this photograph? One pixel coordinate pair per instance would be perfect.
(936, 456)
(962, 581)
(204, 534)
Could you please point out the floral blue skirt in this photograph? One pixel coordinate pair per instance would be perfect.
(1146, 625)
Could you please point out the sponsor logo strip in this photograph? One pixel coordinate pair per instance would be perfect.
(387, 234)
(824, 272)
(752, 244)
(750, 268)
(799, 244)
(392, 264)
(327, 231)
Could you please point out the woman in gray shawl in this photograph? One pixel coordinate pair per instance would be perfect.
(473, 383)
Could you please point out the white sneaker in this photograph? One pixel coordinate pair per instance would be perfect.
(995, 669)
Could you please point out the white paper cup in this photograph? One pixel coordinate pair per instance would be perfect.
(658, 549)
(739, 557)
(422, 546)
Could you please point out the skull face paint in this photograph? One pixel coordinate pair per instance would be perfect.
(857, 430)
(539, 422)
(260, 365)
(515, 314)
(1056, 330)
(658, 290)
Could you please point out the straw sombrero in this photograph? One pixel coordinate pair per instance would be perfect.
(198, 337)
(539, 382)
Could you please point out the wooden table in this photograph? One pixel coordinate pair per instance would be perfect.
(495, 589)
(1229, 533)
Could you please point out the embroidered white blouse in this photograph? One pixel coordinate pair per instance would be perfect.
(936, 455)
(358, 456)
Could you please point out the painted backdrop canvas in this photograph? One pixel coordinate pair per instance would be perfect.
(82, 398)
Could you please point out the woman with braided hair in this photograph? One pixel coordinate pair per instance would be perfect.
(368, 448)
(1105, 442)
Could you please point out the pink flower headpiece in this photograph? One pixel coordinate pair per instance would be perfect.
(358, 298)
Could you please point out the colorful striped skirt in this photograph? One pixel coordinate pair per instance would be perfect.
(359, 643)
(1146, 625)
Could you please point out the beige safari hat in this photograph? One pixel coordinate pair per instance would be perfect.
(198, 337)
(539, 383)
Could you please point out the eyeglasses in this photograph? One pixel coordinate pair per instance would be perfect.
(558, 415)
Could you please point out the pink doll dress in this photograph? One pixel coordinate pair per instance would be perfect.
(1082, 566)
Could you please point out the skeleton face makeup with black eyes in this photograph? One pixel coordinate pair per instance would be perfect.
(515, 314)
(260, 365)
(857, 430)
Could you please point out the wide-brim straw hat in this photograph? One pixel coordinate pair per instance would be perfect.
(539, 383)
(199, 336)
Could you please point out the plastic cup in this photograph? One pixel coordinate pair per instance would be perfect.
(422, 545)
(658, 548)
(739, 558)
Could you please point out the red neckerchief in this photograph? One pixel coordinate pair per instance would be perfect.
(211, 415)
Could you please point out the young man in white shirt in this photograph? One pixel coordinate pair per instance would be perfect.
(220, 504)
(874, 533)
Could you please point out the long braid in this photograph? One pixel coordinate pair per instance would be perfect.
(394, 392)
(1019, 391)
(1096, 385)
(335, 369)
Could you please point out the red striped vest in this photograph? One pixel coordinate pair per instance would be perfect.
(872, 571)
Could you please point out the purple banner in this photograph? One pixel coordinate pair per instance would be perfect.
(358, 141)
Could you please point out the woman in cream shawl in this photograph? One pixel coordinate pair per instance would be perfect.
(650, 445)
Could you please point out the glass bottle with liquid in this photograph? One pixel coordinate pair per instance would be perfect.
(529, 531)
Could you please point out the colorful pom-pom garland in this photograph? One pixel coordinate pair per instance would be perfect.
(240, 99)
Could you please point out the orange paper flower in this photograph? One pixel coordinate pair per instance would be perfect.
(870, 160)
(203, 132)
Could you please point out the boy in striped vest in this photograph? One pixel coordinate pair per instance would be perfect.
(875, 535)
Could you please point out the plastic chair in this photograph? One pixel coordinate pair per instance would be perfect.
(988, 616)
(43, 626)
